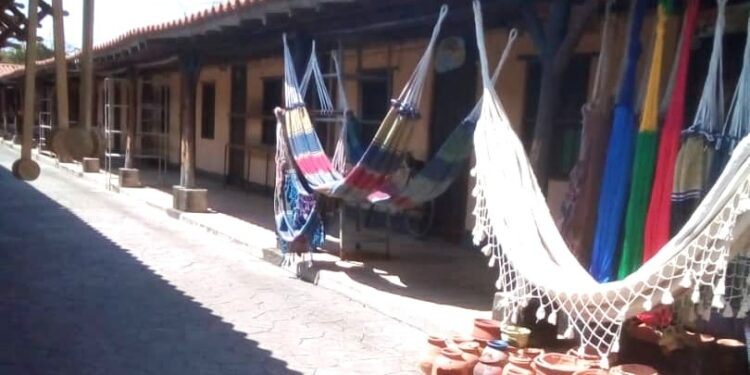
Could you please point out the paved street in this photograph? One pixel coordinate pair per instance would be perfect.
(91, 283)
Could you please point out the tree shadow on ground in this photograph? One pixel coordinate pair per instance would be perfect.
(74, 302)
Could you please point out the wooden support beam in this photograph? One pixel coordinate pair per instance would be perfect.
(29, 83)
(189, 71)
(61, 65)
(87, 70)
(132, 92)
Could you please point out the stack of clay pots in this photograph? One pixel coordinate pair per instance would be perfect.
(484, 353)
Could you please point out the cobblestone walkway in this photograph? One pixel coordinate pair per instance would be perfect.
(92, 284)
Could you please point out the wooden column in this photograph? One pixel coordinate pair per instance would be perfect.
(61, 65)
(190, 67)
(29, 90)
(87, 71)
(132, 118)
(4, 110)
(25, 168)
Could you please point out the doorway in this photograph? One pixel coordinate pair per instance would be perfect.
(455, 93)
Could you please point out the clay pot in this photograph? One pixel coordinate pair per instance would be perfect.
(491, 363)
(434, 346)
(556, 364)
(457, 340)
(471, 353)
(524, 357)
(516, 335)
(589, 358)
(486, 329)
(511, 369)
(632, 369)
(592, 371)
(450, 362)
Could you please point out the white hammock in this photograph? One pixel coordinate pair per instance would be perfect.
(514, 223)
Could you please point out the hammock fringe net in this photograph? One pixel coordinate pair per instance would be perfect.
(515, 229)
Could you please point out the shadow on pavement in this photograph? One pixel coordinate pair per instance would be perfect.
(73, 302)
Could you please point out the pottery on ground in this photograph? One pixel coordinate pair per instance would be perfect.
(633, 369)
(589, 357)
(556, 364)
(486, 329)
(523, 358)
(490, 364)
(511, 369)
(497, 349)
(592, 371)
(434, 345)
(450, 362)
(471, 353)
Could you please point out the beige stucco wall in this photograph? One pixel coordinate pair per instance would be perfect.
(261, 157)
(210, 152)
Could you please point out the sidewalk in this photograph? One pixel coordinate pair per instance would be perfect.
(431, 285)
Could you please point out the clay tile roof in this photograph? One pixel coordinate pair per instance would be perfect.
(7, 68)
(224, 8)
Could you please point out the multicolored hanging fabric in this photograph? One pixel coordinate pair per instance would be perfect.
(693, 161)
(645, 158)
(298, 224)
(657, 229)
(616, 180)
(579, 207)
(737, 122)
(382, 157)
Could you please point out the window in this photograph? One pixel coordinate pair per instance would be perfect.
(272, 95)
(208, 110)
(566, 135)
(375, 98)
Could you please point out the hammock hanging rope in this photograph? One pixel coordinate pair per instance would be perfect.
(616, 180)
(657, 228)
(515, 226)
(737, 122)
(694, 157)
(384, 154)
(579, 207)
(645, 157)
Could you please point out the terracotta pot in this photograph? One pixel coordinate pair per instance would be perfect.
(486, 329)
(524, 357)
(592, 371)
(434, 346)
(457, 340)
(490, 364)
(633, 369)
(589, 358)
(470, 354)
(450, 362)
(511, 369)
(556, 364)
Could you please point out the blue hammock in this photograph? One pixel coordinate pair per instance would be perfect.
(616, 180)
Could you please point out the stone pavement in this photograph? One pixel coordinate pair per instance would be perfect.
(94, 283)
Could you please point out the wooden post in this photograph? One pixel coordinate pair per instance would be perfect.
(87, 71)
(29, 81)
(132, 116)
(25, 168)
(189, 74)
(4, 110)
(61, 65)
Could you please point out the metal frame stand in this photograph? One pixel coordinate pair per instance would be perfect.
(152, 131)
(114, 126)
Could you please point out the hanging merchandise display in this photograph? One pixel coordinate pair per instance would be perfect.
(657, 229)
(579, 207)
(298, 224)
(514, 226)
(694, 157)
(645, 157)
(616, 179)
(737, 123)
(368, 178)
